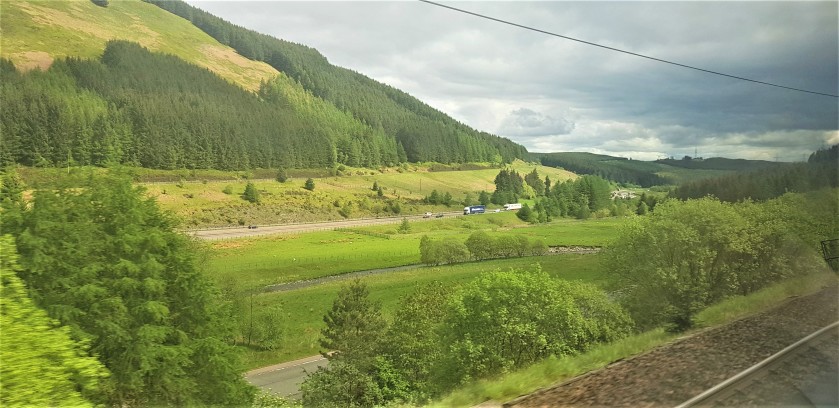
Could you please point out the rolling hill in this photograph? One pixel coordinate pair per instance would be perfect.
(645, 173)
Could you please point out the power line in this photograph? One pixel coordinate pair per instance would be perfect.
(623, 51)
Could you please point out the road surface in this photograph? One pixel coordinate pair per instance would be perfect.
(285, 379)
(240, 232)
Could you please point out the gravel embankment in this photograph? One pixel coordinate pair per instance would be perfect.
(674, 373)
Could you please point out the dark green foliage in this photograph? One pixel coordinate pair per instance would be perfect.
(479, 246)
(532, 179)
(309, 184)
(282, 175)
(580, 198)
(404, 227)
(102, 259)
(100, 3)
(340, 385)
(617, 169)
(433, 198)
(821, 170)
(251, 194)
(688, 255)
(484, 198)
(507, 320)
(413, 343)
(353, 327)
(509, 185)
(525, 213)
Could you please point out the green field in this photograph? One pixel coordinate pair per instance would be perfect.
(247, 265)
(258, 262)
(303, 309)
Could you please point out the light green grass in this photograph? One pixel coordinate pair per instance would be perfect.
(257, 262)
(304, 308)
(556, 370)
(37, 32)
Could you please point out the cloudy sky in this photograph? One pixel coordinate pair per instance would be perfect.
(551, 94)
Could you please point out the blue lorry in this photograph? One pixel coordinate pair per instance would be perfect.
(475, 209)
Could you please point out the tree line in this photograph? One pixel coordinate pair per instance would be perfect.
(478, 247)
(819, 171)
(687, 255)
(617, 169)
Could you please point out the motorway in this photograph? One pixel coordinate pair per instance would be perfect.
(285, 379)
(241, 232)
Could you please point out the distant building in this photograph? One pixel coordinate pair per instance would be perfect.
(623, 194)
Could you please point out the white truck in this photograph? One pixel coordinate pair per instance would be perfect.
(510, 207)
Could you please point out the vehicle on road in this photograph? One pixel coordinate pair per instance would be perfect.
(251, 226)
(440, 215)
(475, 209)
(510, 207)
(427, 215)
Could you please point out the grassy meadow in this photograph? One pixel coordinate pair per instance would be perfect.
(247, 264)
(205, 203)
(303, 309)
(262, 261)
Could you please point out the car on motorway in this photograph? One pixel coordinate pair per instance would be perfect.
(440, 215)
(251, 226)
(427, 215)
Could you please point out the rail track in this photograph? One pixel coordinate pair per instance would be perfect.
(803, 374)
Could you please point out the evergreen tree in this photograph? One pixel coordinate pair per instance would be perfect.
(309, 185)
(251, 194)
(282, 175)
(484, 198)
(103, 259)
(353, 327)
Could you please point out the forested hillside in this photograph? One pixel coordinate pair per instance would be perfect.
(645, 173)
(425, 133)
(617, 169)
(821, 170)
(142, 108)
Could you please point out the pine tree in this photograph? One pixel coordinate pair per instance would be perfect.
(353, 326)
(251, 194)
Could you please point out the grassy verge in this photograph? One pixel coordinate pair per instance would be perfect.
(555, 370)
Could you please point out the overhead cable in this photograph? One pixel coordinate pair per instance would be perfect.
(624, 51)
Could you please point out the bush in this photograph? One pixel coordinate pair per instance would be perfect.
(251, 194)
(309, 185)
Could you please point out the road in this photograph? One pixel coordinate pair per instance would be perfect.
(241, 232)
(285, 379)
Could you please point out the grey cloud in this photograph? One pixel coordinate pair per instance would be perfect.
(479, 71)
(525, 122)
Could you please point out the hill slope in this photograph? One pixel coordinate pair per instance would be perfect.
(646, 174)
(98, 108)
(35, 34)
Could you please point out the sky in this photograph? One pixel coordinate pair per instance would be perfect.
(552, 94)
